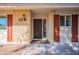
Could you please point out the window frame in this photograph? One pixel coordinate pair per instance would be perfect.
(65, 20)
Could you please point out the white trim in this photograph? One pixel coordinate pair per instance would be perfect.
(42, 28)
(65, 14)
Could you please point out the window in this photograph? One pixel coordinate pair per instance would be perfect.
(44, 27)
(65, 20)
(3, 22)
(62, 20)
(68, 18)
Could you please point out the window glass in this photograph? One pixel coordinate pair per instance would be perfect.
(68, 18)
(62, 20)
(3, 22)
(44, 27)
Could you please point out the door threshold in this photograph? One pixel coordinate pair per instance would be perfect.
(40, 41)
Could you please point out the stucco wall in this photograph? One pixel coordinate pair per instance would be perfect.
(50, 28)
(67, 11)
(20, 29)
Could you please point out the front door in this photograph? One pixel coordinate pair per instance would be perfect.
(65, 28)
(37, 25)
(39, 29)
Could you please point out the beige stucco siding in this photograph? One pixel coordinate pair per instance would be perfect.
(50, 28)
(21, 30)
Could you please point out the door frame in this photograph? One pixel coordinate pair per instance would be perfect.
(42, 28)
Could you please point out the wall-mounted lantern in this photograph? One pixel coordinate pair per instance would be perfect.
(22, 18)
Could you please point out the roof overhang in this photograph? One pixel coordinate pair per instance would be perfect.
(38, 5)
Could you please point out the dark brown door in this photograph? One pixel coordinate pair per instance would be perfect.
(37, 28)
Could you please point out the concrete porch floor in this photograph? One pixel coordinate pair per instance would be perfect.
(40, 49)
